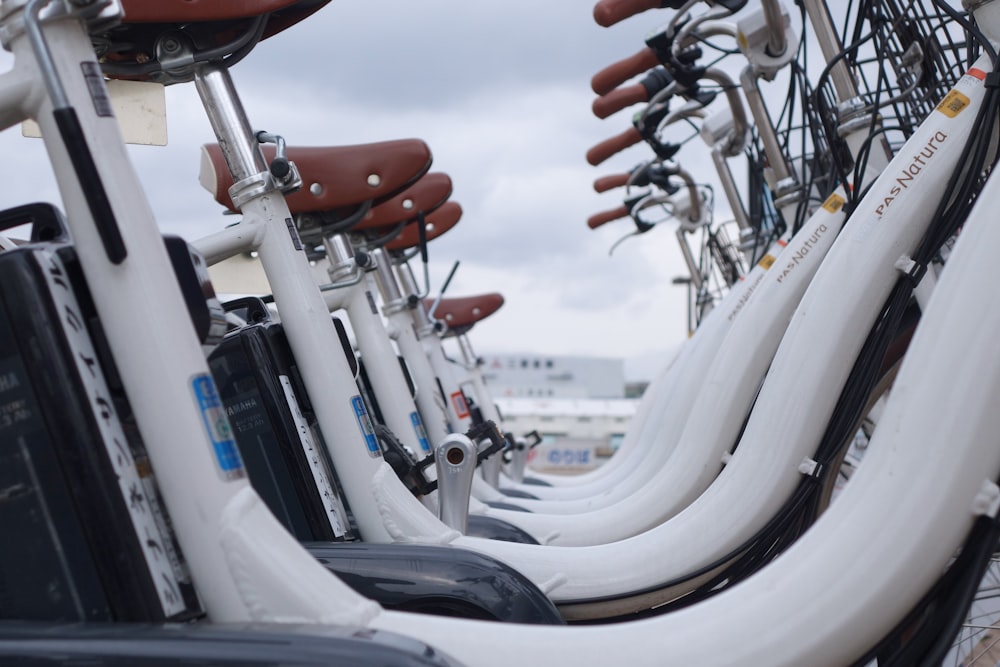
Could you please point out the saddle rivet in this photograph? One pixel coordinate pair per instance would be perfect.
(407, 204)
(374, 180)
(316, 189)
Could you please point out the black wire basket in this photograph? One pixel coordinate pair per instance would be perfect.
(905, 55)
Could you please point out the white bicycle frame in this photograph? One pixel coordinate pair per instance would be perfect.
(730, 144)
(898, 523)
(618, 519)
(388, 383)
(430, 344)
(706, 425)
(896, 482)
(179, 415)
(824, 336)
(371, 336)
(407, 523)
(400, 327)
(421, 346)
(533, 641)
(725, 396)
(247, 568)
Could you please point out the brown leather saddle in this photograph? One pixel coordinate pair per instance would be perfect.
(460, 313)
(335, 178)
(153, 40)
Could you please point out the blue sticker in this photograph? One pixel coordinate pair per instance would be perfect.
(418, 426)
(366, 427)
(213, 415)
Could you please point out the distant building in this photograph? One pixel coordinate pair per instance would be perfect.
(550, 376)
(577, 434)
(603, 420)
(577, 405)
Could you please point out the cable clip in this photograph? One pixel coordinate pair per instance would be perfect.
(992, 80)
(987, 500)
(810, 468)
(911, 269)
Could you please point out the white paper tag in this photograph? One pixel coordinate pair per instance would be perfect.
(139, 106)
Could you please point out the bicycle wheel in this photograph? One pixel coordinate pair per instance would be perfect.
(978, 641)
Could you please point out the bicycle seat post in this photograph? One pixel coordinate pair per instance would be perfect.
(305, 313)
(429, 402)
(388, 382)
(231, 126)
(429, 337)
(491, 466)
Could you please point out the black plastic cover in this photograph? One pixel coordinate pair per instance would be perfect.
(656, 80)
(210, 645)
(204, 307)
(438, 580)
(492, 528)
(518, 493)
(501, 505)
(47, 222)
(732, 5)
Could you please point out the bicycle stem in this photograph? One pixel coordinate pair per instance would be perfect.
(729, 188)
(776, 42)
(830, 46)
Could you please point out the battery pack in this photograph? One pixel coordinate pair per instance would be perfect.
(84, 533)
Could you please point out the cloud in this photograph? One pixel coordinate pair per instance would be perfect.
(430, 54)
(500, 92)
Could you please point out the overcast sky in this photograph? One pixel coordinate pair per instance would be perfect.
(500, 92)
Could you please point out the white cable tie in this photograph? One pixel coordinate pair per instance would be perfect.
(553, 583)
(987, 500)
(904, 264)
(809, 467)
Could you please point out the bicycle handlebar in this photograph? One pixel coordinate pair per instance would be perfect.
(656, 80)
(605, 183)
(603, 217)
(660, 46)
(609, 12)
(618, 99)
(618, 73)
(602, 151)
(737, 140)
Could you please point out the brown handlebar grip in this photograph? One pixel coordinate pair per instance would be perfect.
(618, 99)
(618, 73)
(605, 183)
(609, 12)
(599, 219)
(602, 151)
